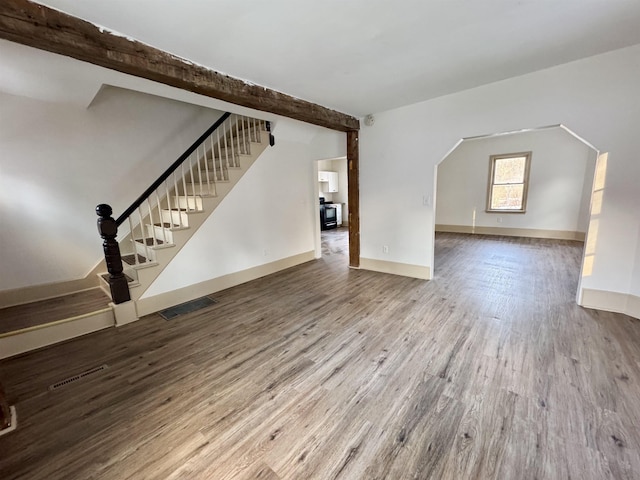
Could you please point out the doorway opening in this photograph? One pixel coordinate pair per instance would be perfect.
(559, 187)
(332, 200)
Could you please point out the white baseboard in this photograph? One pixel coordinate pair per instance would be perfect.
(395, 268)
(31, 338)
(513, 232)
(611, 301)
(148, 305)
(633, 306)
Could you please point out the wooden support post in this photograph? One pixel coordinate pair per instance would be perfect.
(108, 231)
(5, 411)
(353, 174)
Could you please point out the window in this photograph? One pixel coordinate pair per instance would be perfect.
(508, 181)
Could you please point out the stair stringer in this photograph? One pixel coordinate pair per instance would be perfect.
(146, 275)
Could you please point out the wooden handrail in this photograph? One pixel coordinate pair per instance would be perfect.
(5, 411)
(171, 169)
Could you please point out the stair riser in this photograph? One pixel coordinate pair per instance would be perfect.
(148, 252)
(232, 161)
(223, 153)
(132, 272)
(214, 175)
(189, 202)
(249, 134)
(232, 151)
(206, 191)
(164, 234)
(175, 217)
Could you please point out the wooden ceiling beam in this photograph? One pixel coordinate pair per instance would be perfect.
(38, 26)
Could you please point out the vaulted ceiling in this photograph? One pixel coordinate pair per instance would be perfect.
(364, 56)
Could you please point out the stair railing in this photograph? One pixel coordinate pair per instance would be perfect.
(194, 174)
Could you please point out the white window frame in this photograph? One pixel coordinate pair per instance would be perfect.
(525, 182)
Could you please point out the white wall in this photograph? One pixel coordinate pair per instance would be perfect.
(561, 168)
(328, 144)
(60, 160)
(598, 98)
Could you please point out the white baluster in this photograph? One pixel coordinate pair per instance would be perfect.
(234, 134)
(184, 185)
(164, 230)
(204, 151)
(244, 138)
(144, 238)
(153, 232)
(193, 183)
(248, 119)
(170, 222)
(226, 152)
(221, 177)
(233, 153)
(206, 164)
(133, 241)
(176, 200)
(213, 165)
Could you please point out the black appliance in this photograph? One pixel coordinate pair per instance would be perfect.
(328, 215)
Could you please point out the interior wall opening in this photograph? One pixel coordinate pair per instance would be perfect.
(559, 185)
(332, 200)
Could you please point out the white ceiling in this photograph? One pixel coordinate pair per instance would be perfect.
(364, 56)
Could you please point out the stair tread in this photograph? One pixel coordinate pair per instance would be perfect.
(105, 276)
(67, 306)
(131, 259)
(149, 241)
(193, 210)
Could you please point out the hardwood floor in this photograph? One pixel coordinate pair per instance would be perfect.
(335, 242)
(489, 371)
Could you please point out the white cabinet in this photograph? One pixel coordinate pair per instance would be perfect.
(333, 182)
(323, 176)
(331, 178)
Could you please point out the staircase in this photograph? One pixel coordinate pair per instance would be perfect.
(156, 227)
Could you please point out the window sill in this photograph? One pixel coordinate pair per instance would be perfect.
(505, 211)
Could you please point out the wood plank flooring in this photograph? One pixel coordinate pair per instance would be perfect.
(51, 310)
(489, 371)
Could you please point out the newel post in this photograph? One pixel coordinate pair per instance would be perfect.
(108, 231)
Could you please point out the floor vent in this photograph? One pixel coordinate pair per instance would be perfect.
(75, 378)
(186, 307)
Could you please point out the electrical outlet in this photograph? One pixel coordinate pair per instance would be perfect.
(385, 249)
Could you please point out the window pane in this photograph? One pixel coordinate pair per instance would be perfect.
(507, 197)
(509, 170)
